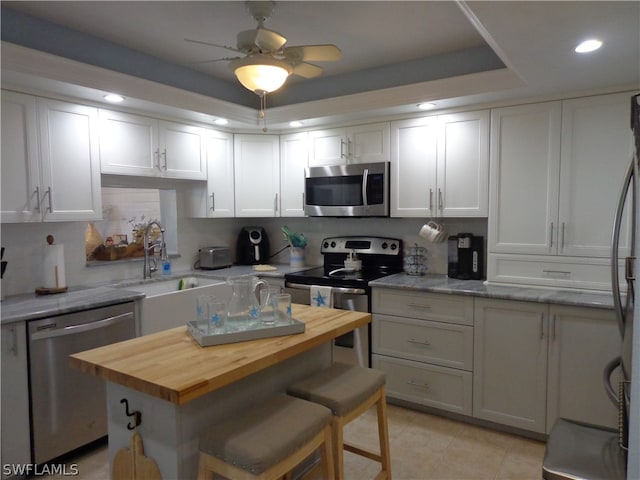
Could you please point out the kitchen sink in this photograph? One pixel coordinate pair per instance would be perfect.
(165, 306)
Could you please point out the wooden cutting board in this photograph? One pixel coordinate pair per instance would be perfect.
(131, 464)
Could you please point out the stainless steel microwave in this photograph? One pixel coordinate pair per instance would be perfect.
(354, 190)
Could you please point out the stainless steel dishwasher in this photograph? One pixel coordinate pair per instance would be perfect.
(68, 408)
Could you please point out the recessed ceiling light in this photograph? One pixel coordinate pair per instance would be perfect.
(426, 106)
(221, 121)
(114, 98)
(588, 46)
(295, 124)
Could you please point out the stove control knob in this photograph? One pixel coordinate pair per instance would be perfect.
(394, 246)
(325, 244)
(333, 244)
(384, 245)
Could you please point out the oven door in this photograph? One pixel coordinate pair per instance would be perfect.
(353, 347)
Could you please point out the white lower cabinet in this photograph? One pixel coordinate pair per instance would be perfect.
(16, 445)
(424, 343)
(534, 363)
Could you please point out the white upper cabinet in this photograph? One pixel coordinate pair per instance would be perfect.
(50, 163)
(294, 158)
(556, 170)
(525, 168)
(357, 144)
(595, 152)
(20, 159)
(439, 166)
(216, 198)
(257, 175)
(143, 146)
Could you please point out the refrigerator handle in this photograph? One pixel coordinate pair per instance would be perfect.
(606, 379)
(615, 238)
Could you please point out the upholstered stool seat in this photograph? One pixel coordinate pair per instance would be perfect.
(349, 391)
(268, 441)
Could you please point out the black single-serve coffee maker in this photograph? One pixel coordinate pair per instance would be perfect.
(466, 256)
(253, 246)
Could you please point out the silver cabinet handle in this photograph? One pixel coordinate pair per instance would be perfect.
(37, 192)
(419, 305)
(414, 383)
(342, 144)
(50, 208)
(562, 236)
(430, 200)
(213, 201)
(275, 203)
(440, 202)
(164, 155)
(156, 155)
(551, 236)
(302, 200)
(426, 343)
(541, 327)
(350, 151)
(552, 327)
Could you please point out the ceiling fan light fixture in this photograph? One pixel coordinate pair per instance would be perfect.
(261, 73)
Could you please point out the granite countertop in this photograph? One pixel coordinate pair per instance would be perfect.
(479, 288)
(30, 306)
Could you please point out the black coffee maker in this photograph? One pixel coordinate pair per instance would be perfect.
(466, 256)
(252, 247)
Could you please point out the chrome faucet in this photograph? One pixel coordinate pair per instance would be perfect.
(148, 269)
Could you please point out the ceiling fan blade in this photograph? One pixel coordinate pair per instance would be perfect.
(201, 62)
(265, 40)
(213, 45)
(313, 53)
(306, 70)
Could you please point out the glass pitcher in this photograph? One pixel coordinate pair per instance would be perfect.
(244, 307)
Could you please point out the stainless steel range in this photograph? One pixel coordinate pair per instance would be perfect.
(380, 256)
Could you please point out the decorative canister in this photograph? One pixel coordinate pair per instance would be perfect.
(297, 257)
(415, 260)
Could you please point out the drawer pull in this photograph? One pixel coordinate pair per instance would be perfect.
(419, 342)
(419, 305)
(413, 383)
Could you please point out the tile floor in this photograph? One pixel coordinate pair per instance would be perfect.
(423, 447)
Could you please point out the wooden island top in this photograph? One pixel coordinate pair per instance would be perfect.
(172, 366)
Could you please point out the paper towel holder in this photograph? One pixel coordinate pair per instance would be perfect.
(50, 290)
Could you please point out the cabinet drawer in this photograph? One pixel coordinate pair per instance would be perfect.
(445, 344)
(428, 306)
(430, 385)
(550, 271)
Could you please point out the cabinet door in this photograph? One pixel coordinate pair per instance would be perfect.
(70, 184)
(510, 363)
(256, 168)
(182, 151)
(294, 152)
(596, 152)
(16, 446)
(368, 143)
(128, 144)
(524, 172)
(20, 169)
(327, 147)
(582, 341)
(413, 167)
(463, 165)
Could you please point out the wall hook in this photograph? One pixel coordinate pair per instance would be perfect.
(137, 416)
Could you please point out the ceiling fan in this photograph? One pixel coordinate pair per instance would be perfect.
(266, 62)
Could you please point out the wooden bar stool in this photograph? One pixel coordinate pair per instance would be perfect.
(268, 441)
(349, 391)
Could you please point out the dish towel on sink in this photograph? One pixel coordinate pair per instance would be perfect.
(320, 296)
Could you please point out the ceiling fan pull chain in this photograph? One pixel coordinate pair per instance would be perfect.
(263, 110)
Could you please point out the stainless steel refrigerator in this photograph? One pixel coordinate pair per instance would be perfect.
(578, 451)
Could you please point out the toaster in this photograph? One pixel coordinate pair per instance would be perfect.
(210, 258)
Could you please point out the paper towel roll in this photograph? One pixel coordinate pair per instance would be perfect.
(53, 265)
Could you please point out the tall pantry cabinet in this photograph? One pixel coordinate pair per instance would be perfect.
(556, 172)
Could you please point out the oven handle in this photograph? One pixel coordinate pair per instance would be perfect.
(349, 291)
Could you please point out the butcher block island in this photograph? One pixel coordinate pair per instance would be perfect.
(182, 389)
